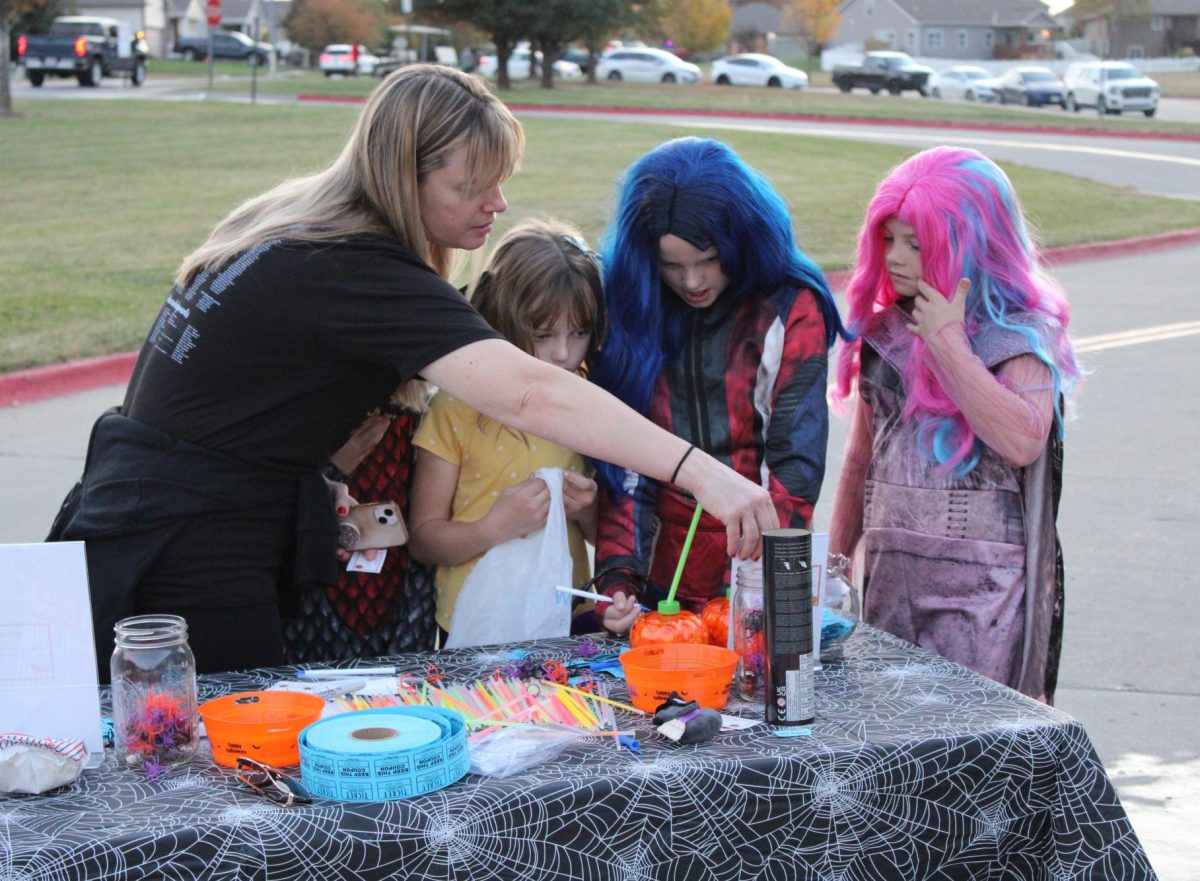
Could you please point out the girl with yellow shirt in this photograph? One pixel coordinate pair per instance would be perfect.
(472, 484)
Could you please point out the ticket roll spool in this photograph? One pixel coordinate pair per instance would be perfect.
(384, 754)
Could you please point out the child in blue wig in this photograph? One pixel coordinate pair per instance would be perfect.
(719, 331)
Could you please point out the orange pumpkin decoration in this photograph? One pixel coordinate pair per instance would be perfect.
(654, 628)
(716, 618)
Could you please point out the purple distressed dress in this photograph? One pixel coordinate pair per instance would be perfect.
(967, 567)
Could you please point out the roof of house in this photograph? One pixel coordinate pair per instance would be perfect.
(85, 6)
(996, 13)
(235, 11)
(757, 17)
(1175, 7)
(1157, 7)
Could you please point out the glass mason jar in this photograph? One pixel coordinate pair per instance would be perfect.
(749, 633)
(841, 607)
(154, 693)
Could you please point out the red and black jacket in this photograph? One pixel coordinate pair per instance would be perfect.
(748, 387)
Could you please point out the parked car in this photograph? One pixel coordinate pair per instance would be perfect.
(347, 59)
(753, 69)
(1110, 87)
(1031, 86)
(225, 44)
(578, 56)
(85, 47)
(518, 66)
(964, 82)
(894, 71)
(645, 65)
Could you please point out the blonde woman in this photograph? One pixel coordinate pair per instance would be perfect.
(302, 312)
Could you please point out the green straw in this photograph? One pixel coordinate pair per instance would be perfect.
(669, 606)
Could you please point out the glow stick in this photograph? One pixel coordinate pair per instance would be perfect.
(597, 697)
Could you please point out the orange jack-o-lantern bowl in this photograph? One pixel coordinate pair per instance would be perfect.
(654, 628)
(716, 618)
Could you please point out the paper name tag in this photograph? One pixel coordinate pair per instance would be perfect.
(359, 563)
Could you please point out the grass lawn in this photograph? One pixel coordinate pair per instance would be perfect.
(1178, 84)
(104, 198)
(706, 96)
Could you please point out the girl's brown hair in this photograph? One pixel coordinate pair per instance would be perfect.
(538, 269)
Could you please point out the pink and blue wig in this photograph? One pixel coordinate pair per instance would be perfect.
(701, 191)
(968, 224)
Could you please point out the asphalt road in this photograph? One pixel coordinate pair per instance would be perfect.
(1157, 166)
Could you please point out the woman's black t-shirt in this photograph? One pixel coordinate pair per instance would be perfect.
(277, 357)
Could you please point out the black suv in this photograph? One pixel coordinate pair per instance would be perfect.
(226, 44)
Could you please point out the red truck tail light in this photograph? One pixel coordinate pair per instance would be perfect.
(22, 45)
(325, 58)
(80, 46)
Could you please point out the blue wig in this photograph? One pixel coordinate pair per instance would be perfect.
(701, 191)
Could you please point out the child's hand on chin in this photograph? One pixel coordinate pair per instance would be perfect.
(932, 311)
(620, 614)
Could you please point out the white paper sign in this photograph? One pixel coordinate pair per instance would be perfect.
(48, 680)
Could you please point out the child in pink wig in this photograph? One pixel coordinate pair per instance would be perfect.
(954, 462)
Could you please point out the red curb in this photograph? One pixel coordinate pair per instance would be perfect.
(56, 380)
(1121, 247)
(803, 117)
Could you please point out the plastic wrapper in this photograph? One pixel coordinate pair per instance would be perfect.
(33, 765)
(507, 751)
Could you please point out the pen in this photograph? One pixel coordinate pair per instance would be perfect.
(588, 595)
(350, 672)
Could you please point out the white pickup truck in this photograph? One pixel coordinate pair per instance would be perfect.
(1110, 87)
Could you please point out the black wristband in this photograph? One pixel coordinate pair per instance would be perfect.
(682, 459)
(334, 473)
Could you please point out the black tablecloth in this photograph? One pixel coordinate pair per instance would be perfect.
(915, 769)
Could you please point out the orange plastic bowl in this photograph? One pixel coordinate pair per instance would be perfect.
(700, 673)
(262, 725)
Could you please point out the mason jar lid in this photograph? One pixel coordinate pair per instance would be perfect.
(150, 631)
(750, 572)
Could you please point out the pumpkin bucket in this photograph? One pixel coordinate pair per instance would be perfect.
(700, 673)
(262, 725)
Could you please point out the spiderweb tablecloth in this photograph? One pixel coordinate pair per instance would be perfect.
(915, 769)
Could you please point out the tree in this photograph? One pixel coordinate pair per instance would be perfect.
(10, 12)
(600, 19)
(505, 21)
(697, 25)
(315, 24)
(818, 20)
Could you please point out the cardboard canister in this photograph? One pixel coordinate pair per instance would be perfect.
(788, 622)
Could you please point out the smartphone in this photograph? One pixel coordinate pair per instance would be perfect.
(372, 525)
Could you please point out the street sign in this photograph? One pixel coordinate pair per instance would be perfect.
(212, 11)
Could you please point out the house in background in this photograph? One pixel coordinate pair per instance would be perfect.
(147, 16)
(763, 26)
(951, 28)
(162, 21)
(236, 15)
(1172, 25)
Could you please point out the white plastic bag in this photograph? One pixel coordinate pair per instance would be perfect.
(509, 596)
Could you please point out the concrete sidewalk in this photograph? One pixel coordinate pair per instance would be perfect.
(1130, 510)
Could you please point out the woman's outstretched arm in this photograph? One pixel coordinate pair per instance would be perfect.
(501, 381)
